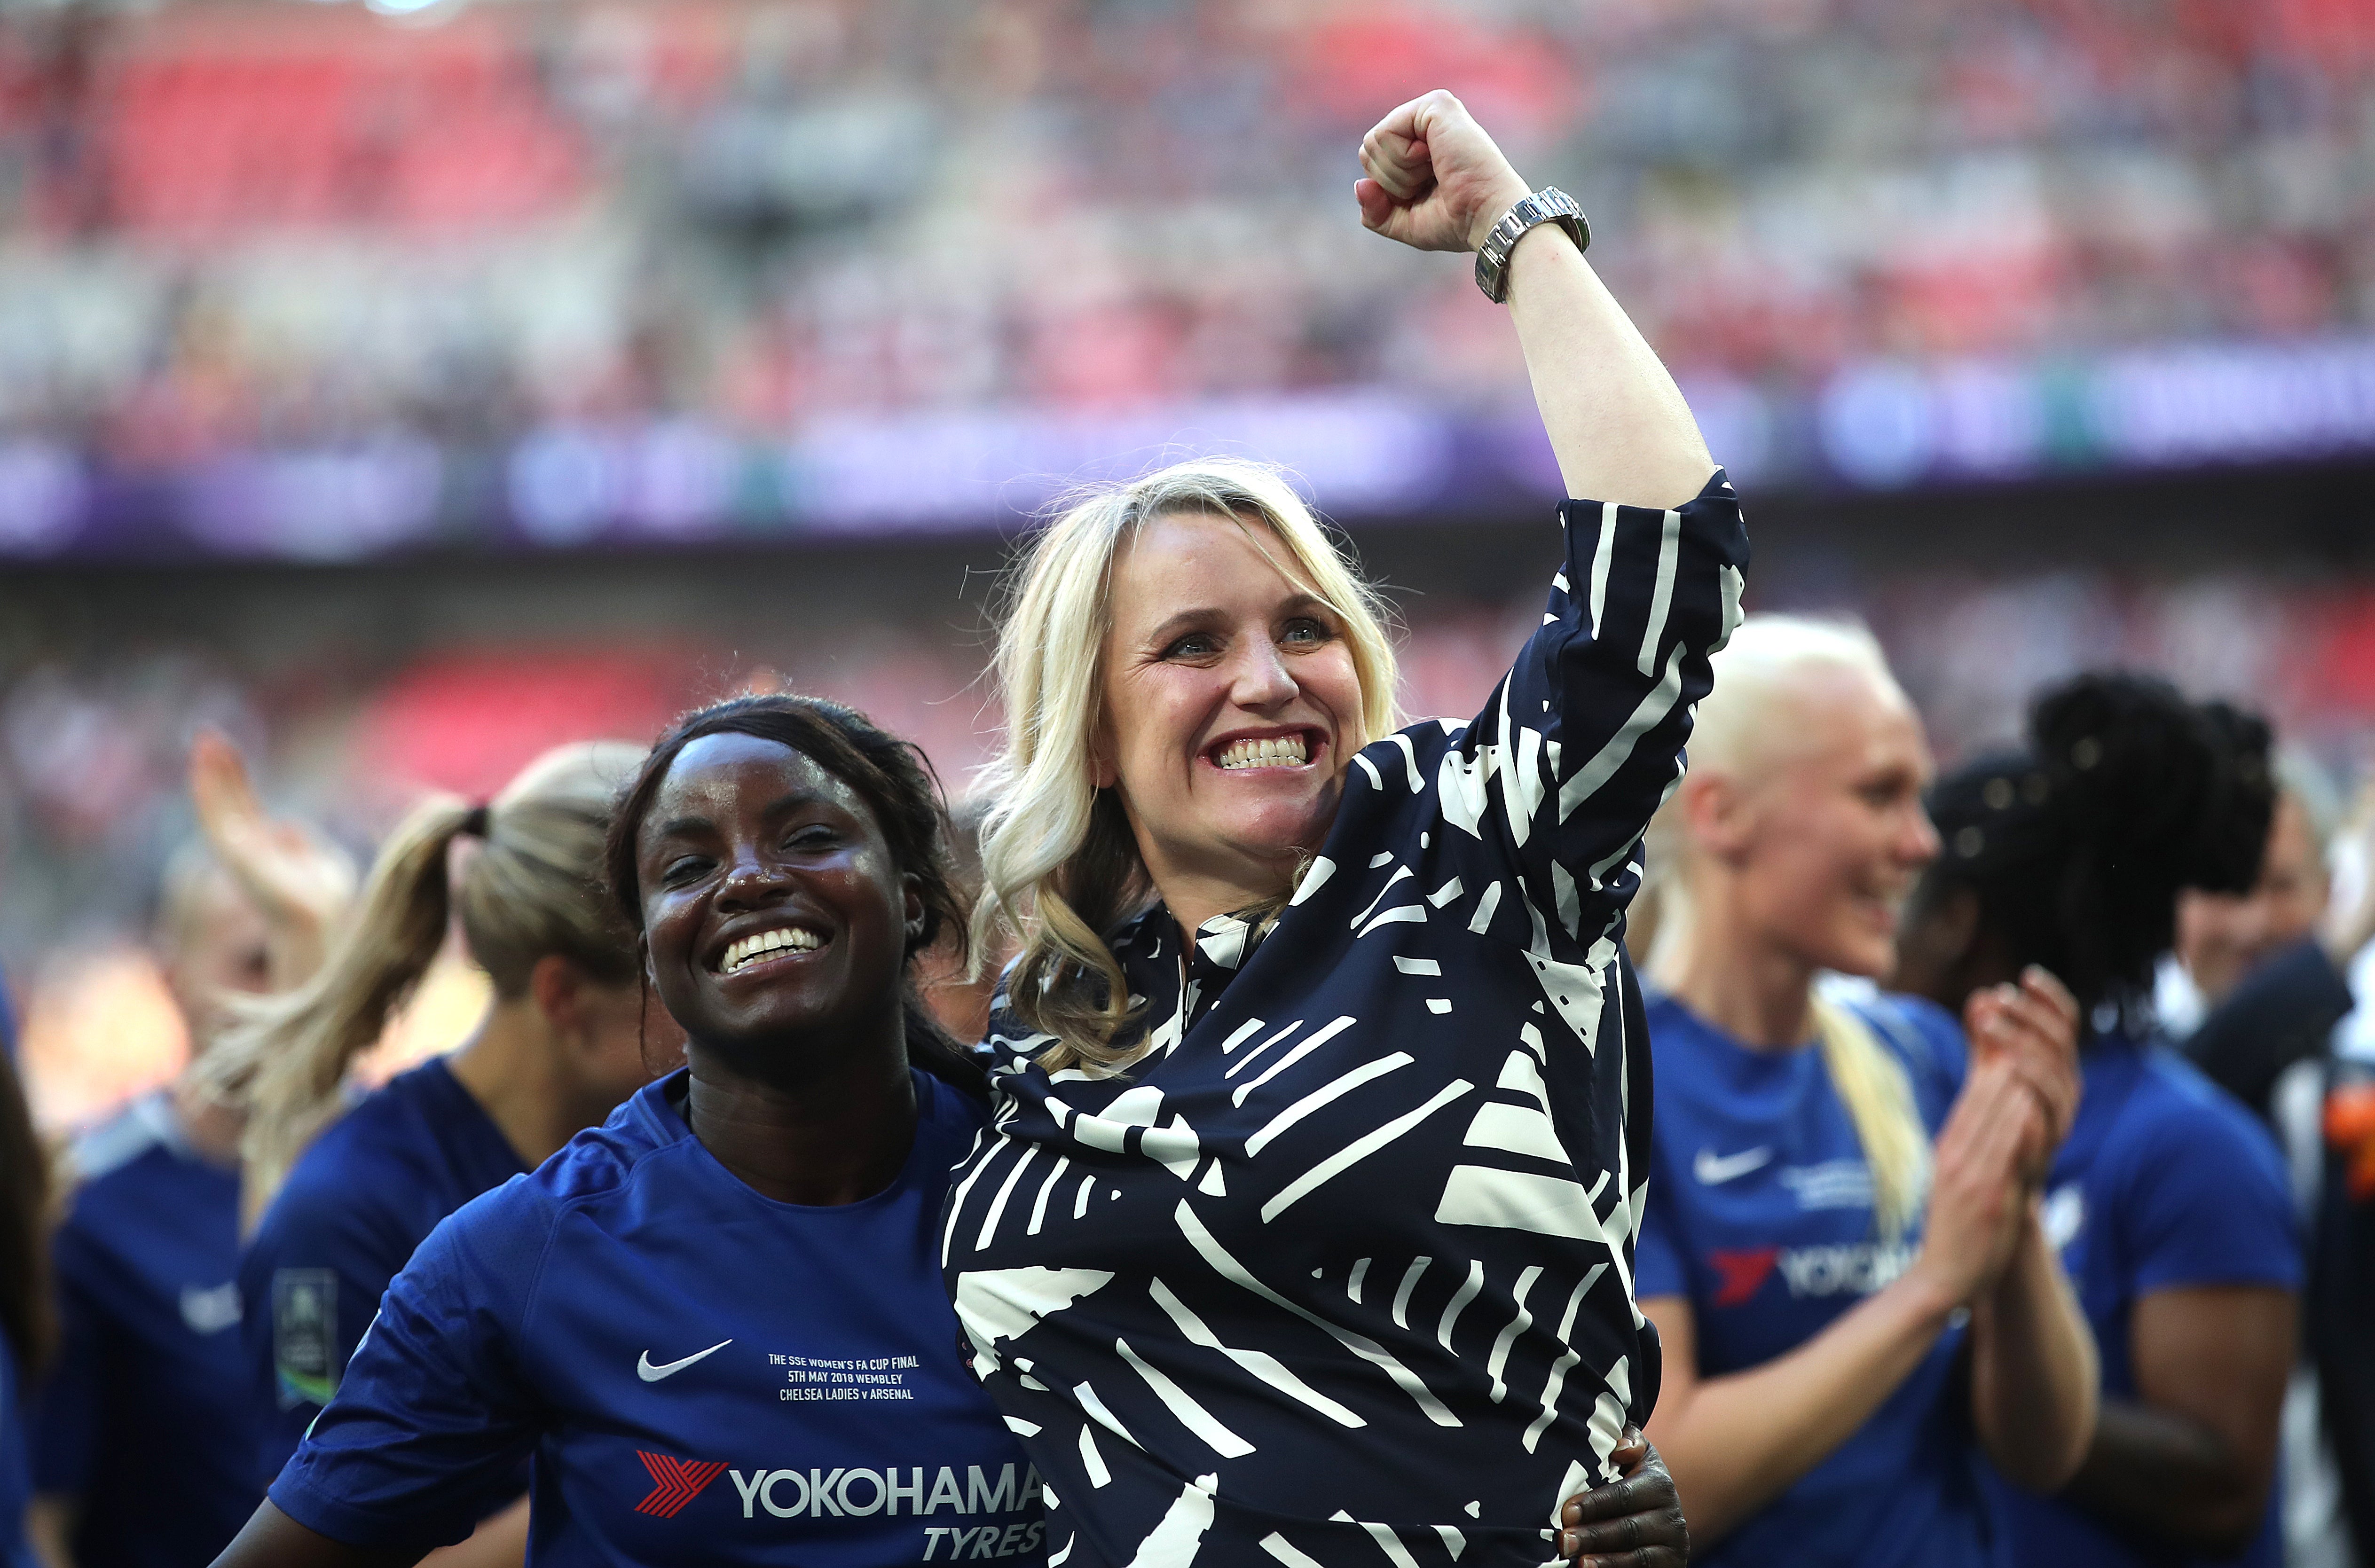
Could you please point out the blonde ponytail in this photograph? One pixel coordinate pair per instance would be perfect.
(534, 888)
(1871, 1084)
(286, 1060)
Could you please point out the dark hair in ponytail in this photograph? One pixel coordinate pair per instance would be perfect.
(2077, 847)
(894, 778)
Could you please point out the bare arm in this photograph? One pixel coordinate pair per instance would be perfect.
(499, 1542)
(1737, 1441)
(2189, 1464)
(272, 1539)
(2034, 1378)
(1617, 422)
(1734, 1443)
(49, 1529)
(2034, 1381)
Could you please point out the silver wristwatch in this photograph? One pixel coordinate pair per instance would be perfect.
(1549, 205)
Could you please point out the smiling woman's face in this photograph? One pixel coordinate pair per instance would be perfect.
(770, 904)
(1231, 705)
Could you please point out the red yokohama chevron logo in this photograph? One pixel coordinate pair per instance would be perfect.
(1743, 1273)
(675, 1483)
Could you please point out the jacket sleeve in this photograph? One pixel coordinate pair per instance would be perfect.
(1557, 778)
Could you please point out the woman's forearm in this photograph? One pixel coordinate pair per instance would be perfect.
(272, 1539)
(1617, 422)
(2161, 1476)
(1735, 1443)
(499, 1542)
(2034, 1379)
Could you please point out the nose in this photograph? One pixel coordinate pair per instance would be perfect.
(1919, 843)
(750, 881)
(1260, 679)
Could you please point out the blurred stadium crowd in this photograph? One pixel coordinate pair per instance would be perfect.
(559, 272)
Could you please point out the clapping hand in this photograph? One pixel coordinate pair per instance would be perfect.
(1434, 179)
(2034, 1027)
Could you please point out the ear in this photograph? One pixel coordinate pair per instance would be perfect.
(1103, 772)
(559, 987)
(915, 914)
(1715, 811)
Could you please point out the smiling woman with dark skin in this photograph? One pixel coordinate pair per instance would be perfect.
(716, 1321)
(829, 1119)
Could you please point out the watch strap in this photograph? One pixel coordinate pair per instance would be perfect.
(1549, 205)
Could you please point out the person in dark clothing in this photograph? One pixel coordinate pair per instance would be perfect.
(2270, 963)
(2167, 1203)
(2273, 964)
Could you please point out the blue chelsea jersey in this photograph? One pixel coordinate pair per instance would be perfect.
(356, 1204)
(146, 1419)
(699, 1371)
(2164, 1184)
(1761, 1215)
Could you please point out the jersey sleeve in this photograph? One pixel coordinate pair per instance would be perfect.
(1582, 738)
(1657, 1267)
(68, 1403)
(2208, 1205)
(311, 1283)
(429, 1428)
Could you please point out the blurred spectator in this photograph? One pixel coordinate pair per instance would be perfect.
(347, 1189)
(2167, 1203)
(2270, 963)
(144, 1420)
(2272, 967)
(2221, 938)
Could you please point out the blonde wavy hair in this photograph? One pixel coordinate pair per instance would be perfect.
(1742, 726)
(533, 888)
(1060, 868)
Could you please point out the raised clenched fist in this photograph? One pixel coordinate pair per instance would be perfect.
(1435, 180)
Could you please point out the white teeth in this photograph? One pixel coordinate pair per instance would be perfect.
(757, 945)
(1284, 751)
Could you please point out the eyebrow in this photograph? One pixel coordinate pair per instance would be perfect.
(775, 808)
(1184, 619)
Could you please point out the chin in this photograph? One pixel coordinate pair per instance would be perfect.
(1860, 954)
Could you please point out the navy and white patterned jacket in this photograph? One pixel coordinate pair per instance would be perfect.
(1339, 1272)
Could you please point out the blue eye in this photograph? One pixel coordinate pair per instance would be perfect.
(1195, 645)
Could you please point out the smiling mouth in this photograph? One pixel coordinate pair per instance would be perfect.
(761, 945)
(1267, 752)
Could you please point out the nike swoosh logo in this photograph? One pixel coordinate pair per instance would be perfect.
(650, 1373)
(1713, 1170)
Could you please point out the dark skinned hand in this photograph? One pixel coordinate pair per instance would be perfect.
(1636, 1523)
